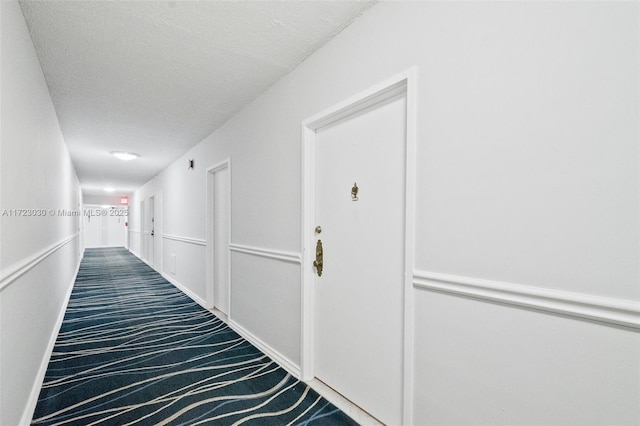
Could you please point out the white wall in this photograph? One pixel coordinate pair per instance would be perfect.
(38, 255)
(527, 196)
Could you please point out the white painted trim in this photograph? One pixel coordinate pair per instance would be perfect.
(30, 408)
(404, 82)
(409, 244)
(135, 231)
(283, 361)
(196, 241)
(348, 407)
(226, 163)
(200, 301)
(372, 96)
(307, 275)
(158, 226)
(210, 234)
(611, 311)
(18, 269)
(143, 227)
(285, 256)
(177, 284)
(147, 263)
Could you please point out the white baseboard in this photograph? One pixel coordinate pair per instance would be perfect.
(246, 334)
(349, 408)
(30, 408)
(283, 361)
(200, 301)
(175, 283)
(136, 254)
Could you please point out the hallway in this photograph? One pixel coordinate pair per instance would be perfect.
(469, 169)
(133, 349)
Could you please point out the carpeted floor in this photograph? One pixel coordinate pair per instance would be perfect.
(133, 349)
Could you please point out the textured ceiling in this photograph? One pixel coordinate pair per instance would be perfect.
(157, 77)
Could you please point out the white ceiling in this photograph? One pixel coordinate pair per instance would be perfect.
(157, 77)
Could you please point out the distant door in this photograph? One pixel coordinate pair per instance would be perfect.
(221, 228)
(92, 227)
(115, 227)
(359, 304)
(143, 231)
(157, 232)
(104, 226)
(152, 231)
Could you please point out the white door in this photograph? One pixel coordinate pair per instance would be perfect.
(143, 231)
(359, 298)
(92, 227)
(104, 227)
(152, 231)
(115, 220)
(221, 221)
(157, 232)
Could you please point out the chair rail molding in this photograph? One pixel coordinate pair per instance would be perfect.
(285, 256)
(196, 241)
(601, 309)
(18, 269)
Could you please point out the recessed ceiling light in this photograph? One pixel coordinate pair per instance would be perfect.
(109, 189)
(125, 156)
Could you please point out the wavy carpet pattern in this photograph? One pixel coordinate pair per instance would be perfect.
(133, 349)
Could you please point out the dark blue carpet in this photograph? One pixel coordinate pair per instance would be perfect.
(133, 349)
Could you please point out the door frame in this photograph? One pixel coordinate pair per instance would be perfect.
(151, 255)
(404, 82)
(210, 248)
(143, 235)
(158, 253)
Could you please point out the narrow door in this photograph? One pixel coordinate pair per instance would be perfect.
(360, 199)
(104, 227)
(92, 227)
(143, 231)
(157, 232)
(221, 221)
(151, 237)
(115, 221)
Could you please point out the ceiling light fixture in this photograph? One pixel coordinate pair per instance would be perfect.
(125, 156)
(109, 189)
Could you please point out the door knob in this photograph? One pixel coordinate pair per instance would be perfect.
(318, 263)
